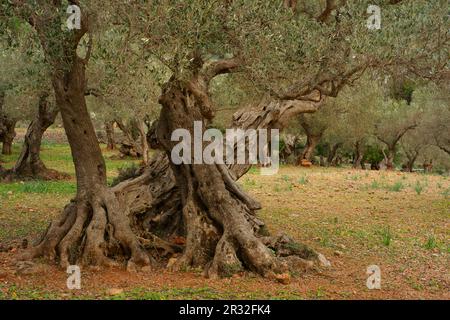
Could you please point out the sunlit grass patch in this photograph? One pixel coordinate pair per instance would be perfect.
(37, 186)
(396, 187)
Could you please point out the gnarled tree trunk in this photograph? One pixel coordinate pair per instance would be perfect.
(29, 162)
(94, 229)
(202, 203)
(311, 143)
(222, 232)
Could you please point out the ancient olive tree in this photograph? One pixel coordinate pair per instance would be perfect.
(94, 224)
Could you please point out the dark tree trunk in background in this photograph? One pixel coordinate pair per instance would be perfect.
(410, 164)
(129, 146)
(7, 128)
(9, 136)
(110, 135)
(332, 154)
(411, 156)
(313, 137)
(390, 157)
(392, 145)
(311, 143)
(29, 162)
(359, 155)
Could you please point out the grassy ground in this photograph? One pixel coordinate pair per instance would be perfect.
(398, 221)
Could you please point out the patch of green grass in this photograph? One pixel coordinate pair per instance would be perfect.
(355, 177)
(386, 236)
(250, 182)
(320, 293)
(253, 170)
(396, 187)
(431, 243)
(37, 186)
(375, 184)
(418, 187)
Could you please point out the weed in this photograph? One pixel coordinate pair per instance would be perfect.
(431, 243)
(418, 187)
(397, 187)
(386, 236)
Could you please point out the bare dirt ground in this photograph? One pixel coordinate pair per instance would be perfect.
(397, 221)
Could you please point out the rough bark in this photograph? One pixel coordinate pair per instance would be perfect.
(29, 163)
(94, 228)
(222, 235)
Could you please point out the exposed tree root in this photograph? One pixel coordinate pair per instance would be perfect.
(91, 232)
